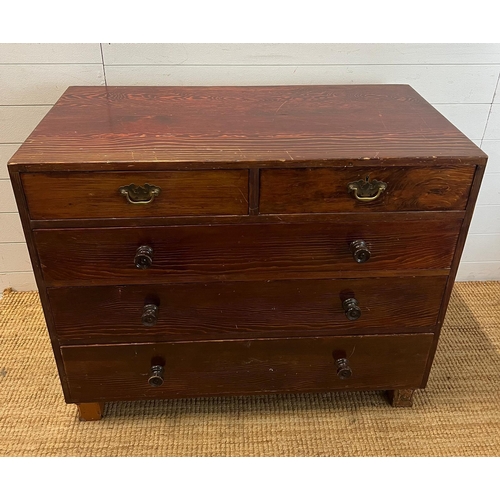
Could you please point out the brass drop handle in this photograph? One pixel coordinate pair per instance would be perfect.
(366, 190)
(352, 310)
(150, 314)
(139, 195)
(360, 252)
(143, 257)
(344, 371)
(156, 376)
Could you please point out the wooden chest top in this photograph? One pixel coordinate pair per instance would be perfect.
(180, 127)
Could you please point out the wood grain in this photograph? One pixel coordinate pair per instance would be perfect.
(325, 190)
(473, 196)
(446, 216)
(90, 411)
(96, 195)
(225, 310)
(248, 303)
(37, 274)
(120, 372)
(324, 125)
(242, 252)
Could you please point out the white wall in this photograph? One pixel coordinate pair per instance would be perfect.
(460, 80)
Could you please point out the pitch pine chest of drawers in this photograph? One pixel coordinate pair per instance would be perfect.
(198, 241)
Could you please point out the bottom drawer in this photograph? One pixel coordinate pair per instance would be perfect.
(122, 372)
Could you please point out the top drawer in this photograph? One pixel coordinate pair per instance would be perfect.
(89, 195)
(355, 189)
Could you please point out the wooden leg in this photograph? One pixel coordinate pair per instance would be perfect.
(401, 397)
(90, 411)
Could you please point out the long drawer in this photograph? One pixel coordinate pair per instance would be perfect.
(224, 310)
(121, 372)
(119, 195)
(364, 189)
(243, 252)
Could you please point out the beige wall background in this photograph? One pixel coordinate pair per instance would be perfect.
(460, 80)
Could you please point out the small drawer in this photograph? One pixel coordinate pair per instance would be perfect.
(146, 255)
(355, 189)
(90, 195)
(229, 310)
(184, 369)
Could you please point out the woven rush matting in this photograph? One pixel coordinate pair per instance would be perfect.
(458, 414)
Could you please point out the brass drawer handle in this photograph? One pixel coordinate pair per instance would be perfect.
(366, 190)
(140, 195)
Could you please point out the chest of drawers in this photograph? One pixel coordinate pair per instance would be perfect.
(198, 241)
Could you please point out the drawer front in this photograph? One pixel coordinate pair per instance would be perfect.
(91, 195)
(242, 252)
(322, 190)
(218, 310)
(121, 372)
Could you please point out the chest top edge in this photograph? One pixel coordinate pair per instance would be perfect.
(318, 124)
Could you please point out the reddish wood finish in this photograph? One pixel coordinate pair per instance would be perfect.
(339, 217)
(37, 271)
(474, 193)
(90, 411)
(251, 236)
(401, 397)
(243, 252)
(121, 372)
(96, 195)
(145, 127)
(225, 310)
(309, 190)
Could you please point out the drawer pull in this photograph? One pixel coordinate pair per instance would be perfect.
(344, 371)
(360, 251)
(366, 190)
(150, 315)
(156, 376)
(140, 195)
(351, 308)
(143, 257)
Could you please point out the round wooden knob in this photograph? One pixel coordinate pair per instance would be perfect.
(156, 376)
(150, 315)
(352, 310)
(344, 371)
(143, 257)
(360, 252)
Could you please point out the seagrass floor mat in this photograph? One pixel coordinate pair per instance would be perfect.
(457, 415)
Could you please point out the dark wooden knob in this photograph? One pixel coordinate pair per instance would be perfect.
(143, 257)
(150, 315)
(343, 369)
(351, 308)
(360, 252)
(156, 376)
